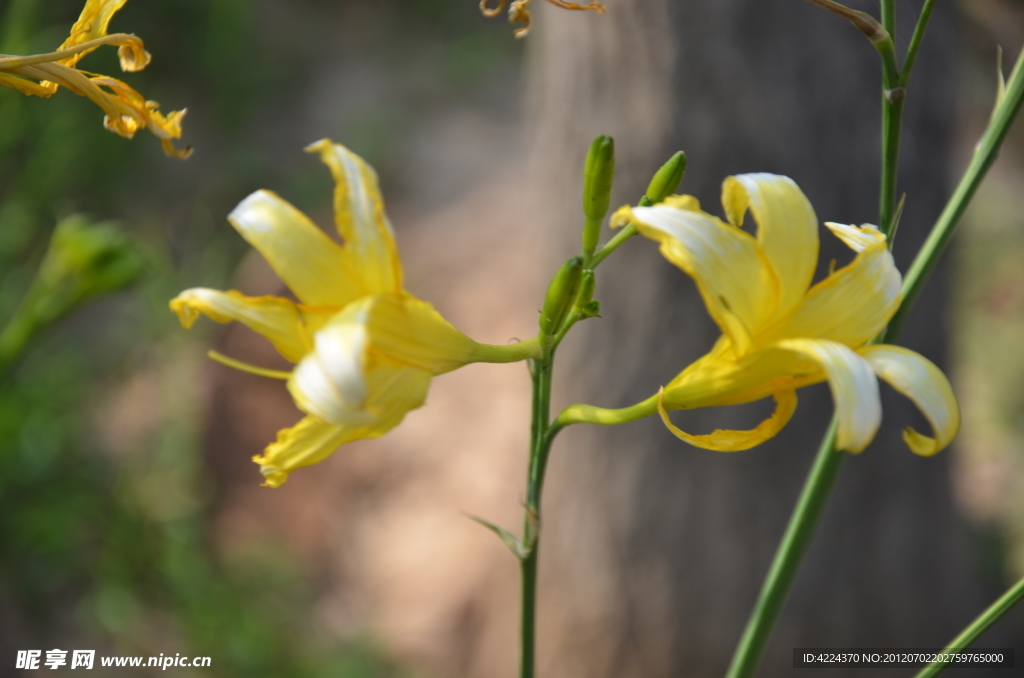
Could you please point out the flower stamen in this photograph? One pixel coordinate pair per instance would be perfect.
(246, 367)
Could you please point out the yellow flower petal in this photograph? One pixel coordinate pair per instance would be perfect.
(288, 326)
(333, 382)
(721, 377)
(411, 331)
(854, 389)
(737, 285)
(391, 393)
(305, 258)
(787, 228)
(919, 379)
(92, 23)
(857, 238)
(359, 212)
(850, 306)
(308, 442)
(734, 441)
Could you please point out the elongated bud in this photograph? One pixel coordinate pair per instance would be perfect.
(666, 180)
(588, 283)
(560, 297)
(598, 175)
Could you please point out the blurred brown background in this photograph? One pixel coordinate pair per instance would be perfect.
(364, 564)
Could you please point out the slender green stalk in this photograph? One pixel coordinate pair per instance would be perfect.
(915, 41)
(627, 232)
(622, 236)
(984, 621)
(942, 232)
(795, 541)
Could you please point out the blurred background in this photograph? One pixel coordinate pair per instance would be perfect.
(131, 517)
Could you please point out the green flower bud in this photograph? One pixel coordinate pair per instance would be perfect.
(588, 283)
(598, 175)
(83, 260)
(666, 180)
(560, 296)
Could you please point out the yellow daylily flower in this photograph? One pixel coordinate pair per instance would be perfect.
(126, 110)
(519, 10)
(365, 348)
(778, 331)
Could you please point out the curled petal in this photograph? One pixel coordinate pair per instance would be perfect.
(491, 11)
(308, 442)
(370, 251)
(127, 111)
(287, 325)
(854, 389)
(734, 441)
(92, 24)
(305, 258)
(857, 238)
(738, 286)
(331, 382)
(919, 379)
(787, 228)
(392, 392)
(519, 11)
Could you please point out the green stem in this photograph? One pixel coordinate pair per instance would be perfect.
(589, 414)
(942, 232)
(542, 436)
(915, 41)
(888, 11)
(512, 353)
(984, 621)
(892, 119)
(622, 236)
(795, 541)
(627, 232)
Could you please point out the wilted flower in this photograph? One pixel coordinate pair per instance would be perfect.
(778, 332)
(126, 110)
(365, 348)
(519, 11)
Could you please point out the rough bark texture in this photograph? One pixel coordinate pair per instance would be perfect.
(654, 551)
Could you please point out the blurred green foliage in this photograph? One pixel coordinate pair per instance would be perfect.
(111, 550)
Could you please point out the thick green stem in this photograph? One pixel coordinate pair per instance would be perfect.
(985, 620)
(795, 541)
(512, 353)
(542, 435)
(528, 613)
(942, 232)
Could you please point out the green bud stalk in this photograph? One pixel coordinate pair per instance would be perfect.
(667, 179)
(561, 296)
(598, 175)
